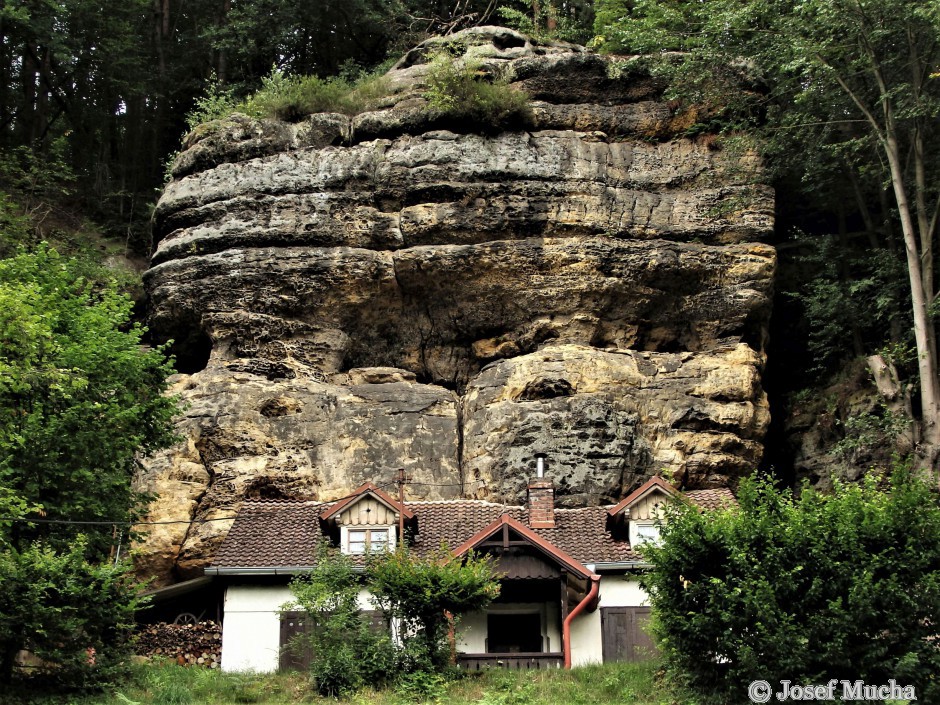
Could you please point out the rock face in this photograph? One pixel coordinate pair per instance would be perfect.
(351, 295)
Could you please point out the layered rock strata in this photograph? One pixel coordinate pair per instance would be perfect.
(351, 295)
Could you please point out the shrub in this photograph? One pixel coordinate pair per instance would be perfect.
(461, 90)
(347, 652)
(843, 586)
(419, 591)
(75, 616)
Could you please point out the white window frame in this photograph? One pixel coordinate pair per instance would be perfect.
(389, 529)
(636, 539)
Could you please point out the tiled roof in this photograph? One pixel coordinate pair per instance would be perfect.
(581, 533)
(272, 533)
(719, 498)
(284, 533)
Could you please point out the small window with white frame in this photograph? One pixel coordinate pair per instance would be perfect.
(358, 541)
(645, 532)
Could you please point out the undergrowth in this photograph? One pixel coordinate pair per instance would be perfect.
(463, 90)
(290, 98)
(457, 89)
(169, 684)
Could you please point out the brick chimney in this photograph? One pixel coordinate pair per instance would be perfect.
(541, 504)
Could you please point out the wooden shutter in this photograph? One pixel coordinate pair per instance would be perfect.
(296, 654)
(376, 620)
(625, 635)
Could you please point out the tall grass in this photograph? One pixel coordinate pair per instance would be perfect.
(460, 89)
(291, 98)
(169, 684)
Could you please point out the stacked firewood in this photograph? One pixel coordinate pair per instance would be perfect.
(197, 644)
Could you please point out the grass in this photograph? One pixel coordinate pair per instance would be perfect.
(169, 684)
(456, 89)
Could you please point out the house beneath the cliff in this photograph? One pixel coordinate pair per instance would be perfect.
(570, 593)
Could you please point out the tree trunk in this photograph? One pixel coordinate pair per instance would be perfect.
(923, 325)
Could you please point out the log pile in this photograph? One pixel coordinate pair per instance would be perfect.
(187, 644)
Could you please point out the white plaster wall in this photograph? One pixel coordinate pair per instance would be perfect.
(471, 633)
(251, 632)
(586, 640)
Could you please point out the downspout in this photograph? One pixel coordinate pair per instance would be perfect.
(581, 606)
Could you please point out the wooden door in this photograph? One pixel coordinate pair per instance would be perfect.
(296, 653)
(624, 634)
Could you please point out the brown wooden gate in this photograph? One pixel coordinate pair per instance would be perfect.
(295, 655)
(625, 635)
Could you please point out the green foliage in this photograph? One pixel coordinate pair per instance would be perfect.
(217, 101)
(421, 686)
(840, 96)
(817, 587)
(415, 592)
(847, 294)
(15, 227)
(293, 97)
(867, 431)
(347, 652)
(159, 682)
(461, 90)
(79, 396)
(567, 22)
(75, 616)
(419, 591)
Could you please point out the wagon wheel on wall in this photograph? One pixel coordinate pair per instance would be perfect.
(186, 618)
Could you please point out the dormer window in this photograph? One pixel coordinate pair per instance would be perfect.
(373, 539)
(367, 521)
(644, 532)
(637, 516)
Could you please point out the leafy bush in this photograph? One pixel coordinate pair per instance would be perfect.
(217, 101)
(291, 98)
(550, 23)
(74, 616)
(843, 586)
(79, 397)
(420, 591)
(460, 89)
(347, 653)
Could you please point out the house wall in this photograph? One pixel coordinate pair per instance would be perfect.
(251, 631)
(586, 640)
(471, 636)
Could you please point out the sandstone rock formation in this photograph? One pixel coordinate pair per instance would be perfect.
(350, 295)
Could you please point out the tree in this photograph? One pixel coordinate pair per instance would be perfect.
(74, 615)
(807, 589)
(347, 652)
(426, 594)
(79, 398)
(846, 82)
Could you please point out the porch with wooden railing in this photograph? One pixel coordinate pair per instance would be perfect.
(513, 661)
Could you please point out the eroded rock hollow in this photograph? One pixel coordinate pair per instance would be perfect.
(352, 295)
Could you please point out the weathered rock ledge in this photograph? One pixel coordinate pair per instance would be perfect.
(351, 295)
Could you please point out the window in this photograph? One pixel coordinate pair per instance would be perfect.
(646, 532)
(360, 541)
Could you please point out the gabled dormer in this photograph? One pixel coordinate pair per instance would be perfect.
(637, 514)
(365, 522)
